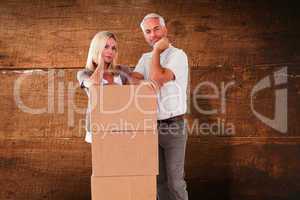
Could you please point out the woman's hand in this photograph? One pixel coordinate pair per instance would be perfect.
(96, 77)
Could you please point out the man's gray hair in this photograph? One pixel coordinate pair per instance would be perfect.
(153, 15)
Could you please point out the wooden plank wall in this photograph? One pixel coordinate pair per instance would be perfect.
(44, 43)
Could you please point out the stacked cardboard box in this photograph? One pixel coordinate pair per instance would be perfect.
(125, 143)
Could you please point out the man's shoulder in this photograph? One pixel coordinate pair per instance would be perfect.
(176, 50)
(173, 52)
(146, 55)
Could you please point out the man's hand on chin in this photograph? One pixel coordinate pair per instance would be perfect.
(161, 45)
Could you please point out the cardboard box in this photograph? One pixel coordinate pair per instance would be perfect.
(125, 153)
(125, 142)
(129, 150)
(124, 188)
(128, 107)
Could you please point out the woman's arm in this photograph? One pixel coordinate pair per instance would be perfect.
(88, 78)
(82, 76)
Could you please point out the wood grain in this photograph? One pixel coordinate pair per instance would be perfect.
(233, 105)
(44, 43)
(41, 103)
(63, 103)
(235, 167)
(56, 34)
(42, 155)
(45, 169)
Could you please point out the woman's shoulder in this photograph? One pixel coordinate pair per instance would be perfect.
(85, 70)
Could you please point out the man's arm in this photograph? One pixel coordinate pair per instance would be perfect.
(136, 77)
(158, 74)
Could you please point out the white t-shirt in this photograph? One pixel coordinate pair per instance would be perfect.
(172, 96)
(87, 83)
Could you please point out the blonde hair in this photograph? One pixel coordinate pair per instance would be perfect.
(97, 45)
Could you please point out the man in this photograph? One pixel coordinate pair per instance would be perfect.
(167, 67)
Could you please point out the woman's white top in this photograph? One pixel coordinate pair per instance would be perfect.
(87, 83)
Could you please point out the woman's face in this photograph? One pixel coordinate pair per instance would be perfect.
(109, 51)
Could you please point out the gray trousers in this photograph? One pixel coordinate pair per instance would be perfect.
(172, 144)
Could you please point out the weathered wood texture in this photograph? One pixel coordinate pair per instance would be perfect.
(217, 168)
(45, 168)
(41, 103)
(39, 149)
(42, 152)
(52, 104)
(57, 33)
(243, 168)
(233, 86)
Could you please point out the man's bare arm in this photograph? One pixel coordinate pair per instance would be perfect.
(158, 74)
(135, 78)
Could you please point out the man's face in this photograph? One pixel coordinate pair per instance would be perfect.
(153, 31)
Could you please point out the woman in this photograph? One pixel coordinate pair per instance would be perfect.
(100, 68)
